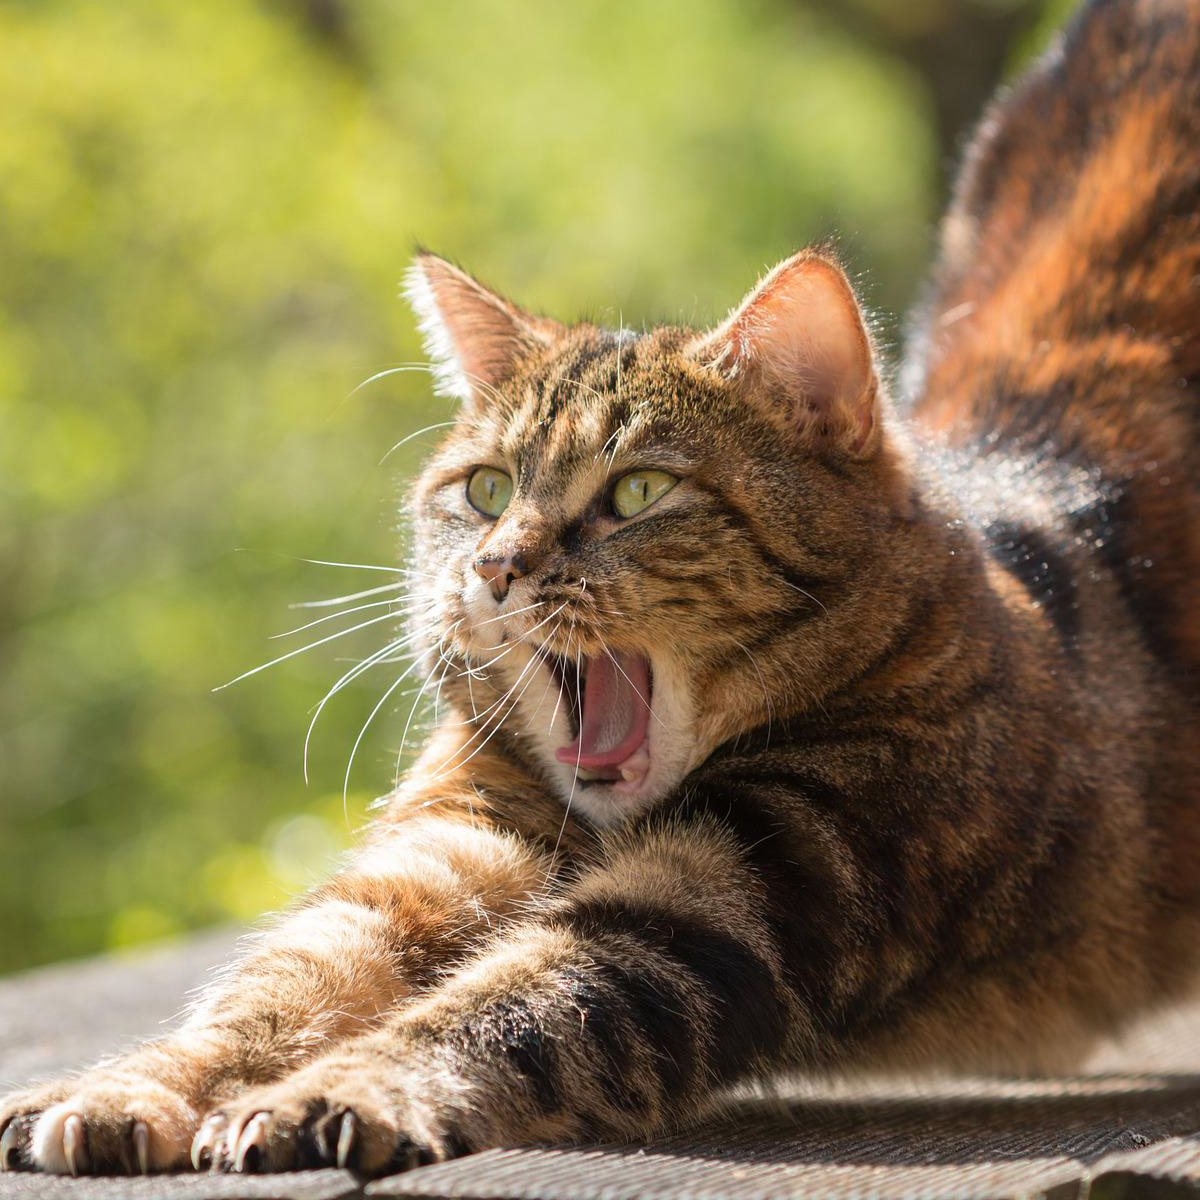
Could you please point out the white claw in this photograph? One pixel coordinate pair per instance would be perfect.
(141, 1144)
(253, 1135)
(8, 1147)
(207, 1137)
(346, 1138)
(72, 1143)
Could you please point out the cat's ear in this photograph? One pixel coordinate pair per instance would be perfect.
(798, 345)
(474, 337)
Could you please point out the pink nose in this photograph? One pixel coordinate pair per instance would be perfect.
(499, 573)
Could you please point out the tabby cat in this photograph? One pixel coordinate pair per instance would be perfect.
(780, 731)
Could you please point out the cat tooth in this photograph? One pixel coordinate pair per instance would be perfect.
(635, 767)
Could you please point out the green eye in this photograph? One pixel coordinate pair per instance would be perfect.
(639, 490)
(489, 491)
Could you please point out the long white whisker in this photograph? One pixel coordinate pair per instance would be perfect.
(471, 696)
(324, 562)
(412, 711)
(563, 681)
(334, 600)
(401, 368)
(311, 646)
(355, 671)
(549, 681)
(574, 779)
(449, 764)
(437, 696)
(380, 656)
(475, 670)
(534, 659)
(515, 612)
(519, 642)
(399, 608)
(471, 672)
(396, 370)
(367, 724)
(405, 440)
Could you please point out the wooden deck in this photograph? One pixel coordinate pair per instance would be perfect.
(1127, 1127)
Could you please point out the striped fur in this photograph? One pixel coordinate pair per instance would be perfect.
(925, 788)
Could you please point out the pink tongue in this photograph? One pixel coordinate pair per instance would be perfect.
(616, 712)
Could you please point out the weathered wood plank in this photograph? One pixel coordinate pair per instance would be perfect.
(1124, 1124)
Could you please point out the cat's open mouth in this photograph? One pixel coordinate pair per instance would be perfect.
(608, 699)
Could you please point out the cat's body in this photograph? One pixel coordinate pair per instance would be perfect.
(918, 777)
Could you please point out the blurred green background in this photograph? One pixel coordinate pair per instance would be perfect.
(204, 212)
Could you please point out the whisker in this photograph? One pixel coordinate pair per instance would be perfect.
(762, 683)
(366, 725)
(515, 612)
(608, 441)
(518, 642)
(399, 369)
(789, 583)
(405, 440)
(311, 646)
(375, 591)
(399, 609)
(562, 682)
(324, 562)
(496, 703)
(380, 656)
(437, 696)
(574, 781)
(587, 387)
(427, 368)
(629, 681)
(450, 765)
(549, 681)
(416, 703)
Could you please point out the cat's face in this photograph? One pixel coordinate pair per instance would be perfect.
(616, 539)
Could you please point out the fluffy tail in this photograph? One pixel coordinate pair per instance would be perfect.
(1064, 316)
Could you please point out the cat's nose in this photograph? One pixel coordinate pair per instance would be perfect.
(499, 573)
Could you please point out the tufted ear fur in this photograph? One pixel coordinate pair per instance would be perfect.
(474, 338)
(798, 346)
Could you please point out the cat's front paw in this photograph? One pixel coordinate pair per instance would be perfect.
(341, 1111)
(101, 1123)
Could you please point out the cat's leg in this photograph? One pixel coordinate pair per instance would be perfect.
(615, 1014)
(412, 904)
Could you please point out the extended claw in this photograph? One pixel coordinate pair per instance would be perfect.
(141, 1146)
(204, 1144)
(74, 1148)
(252, 1144)
(10, 1149)
(346, 1136)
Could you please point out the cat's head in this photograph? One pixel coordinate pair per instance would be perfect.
(635, 547)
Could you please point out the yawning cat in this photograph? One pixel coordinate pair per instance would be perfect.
(782, 727)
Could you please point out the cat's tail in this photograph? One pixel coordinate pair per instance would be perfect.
(1064, 315)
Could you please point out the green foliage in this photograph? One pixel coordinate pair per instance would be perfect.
(204, 212)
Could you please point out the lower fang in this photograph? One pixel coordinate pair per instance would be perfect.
(630, 774)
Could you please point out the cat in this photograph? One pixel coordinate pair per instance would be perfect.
(784, 729)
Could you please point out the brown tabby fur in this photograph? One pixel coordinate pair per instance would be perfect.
(941, 803)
